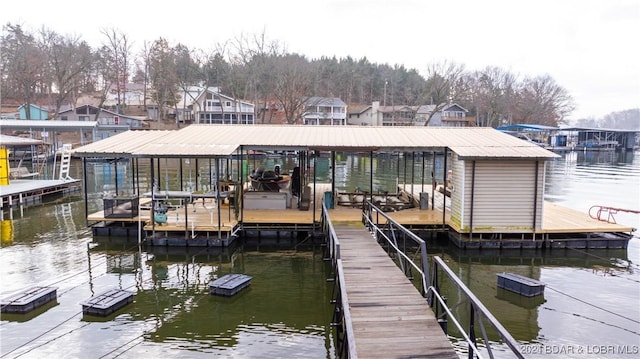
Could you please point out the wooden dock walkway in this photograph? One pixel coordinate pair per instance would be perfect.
(390, 317)
(24, 192)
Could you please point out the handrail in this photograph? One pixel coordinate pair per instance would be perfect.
(367, 216)
(432, 290)
(334, 250)
(478, 307)
(610, 212)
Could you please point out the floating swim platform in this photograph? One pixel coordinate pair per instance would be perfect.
(229, 284)
(28, 299)
(520, 284)
(107, 302)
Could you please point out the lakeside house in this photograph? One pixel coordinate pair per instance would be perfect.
(201, 105)
(329, 111)
(451, 115)
(107, 123)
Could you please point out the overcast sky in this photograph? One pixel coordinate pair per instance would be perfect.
(590, 47)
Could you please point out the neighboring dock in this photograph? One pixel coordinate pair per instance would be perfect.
(29, 192)
(390, 318)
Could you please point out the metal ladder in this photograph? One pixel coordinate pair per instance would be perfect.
(65, 163)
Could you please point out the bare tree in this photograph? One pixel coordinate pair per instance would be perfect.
(163, 75)
(542, 101)
(493, 95)
(626, 120)
(23, 65)
(142, 74)
(252, 59)
(117, 49)
(292, 86)
(443, 86)
(69, 60)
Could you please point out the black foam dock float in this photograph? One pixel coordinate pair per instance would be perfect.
(520, 284)
(229, 284)
(28, 299)
(107, 302)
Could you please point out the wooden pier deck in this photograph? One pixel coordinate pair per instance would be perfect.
(22, 192)
(390, 317)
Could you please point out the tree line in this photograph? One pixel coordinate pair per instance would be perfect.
(63, 67)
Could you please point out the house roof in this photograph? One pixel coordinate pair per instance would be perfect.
(358, 109)
(139, 118)
(397, 108)
(197, 92)
(446, 108)
(41, 108)
(324, 101)
(430, 108)
(222, 140)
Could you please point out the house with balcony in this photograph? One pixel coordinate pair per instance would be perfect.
(108, 122)
(209, 106)
(324, 111)
(452, 115)
(377, 115)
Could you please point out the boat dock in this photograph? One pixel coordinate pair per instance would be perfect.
(200, 223)
(389, 316)
(28, 191)
(493, 184)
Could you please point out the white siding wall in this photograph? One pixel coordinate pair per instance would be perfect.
(503, 196)
(458, 176)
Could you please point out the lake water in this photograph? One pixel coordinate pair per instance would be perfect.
(590, 307)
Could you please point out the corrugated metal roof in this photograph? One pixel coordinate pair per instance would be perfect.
(47, 124)
(526, 127)
(219, 140)
(6, 140)
(121, 145)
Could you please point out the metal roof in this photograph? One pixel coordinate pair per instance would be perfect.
(594, 129)
(527, 127)
(6, 140)
(221, 140)
(39, 125)
(324, 101)
(120, 145)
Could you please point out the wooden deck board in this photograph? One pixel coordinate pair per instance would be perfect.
(390, 317)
